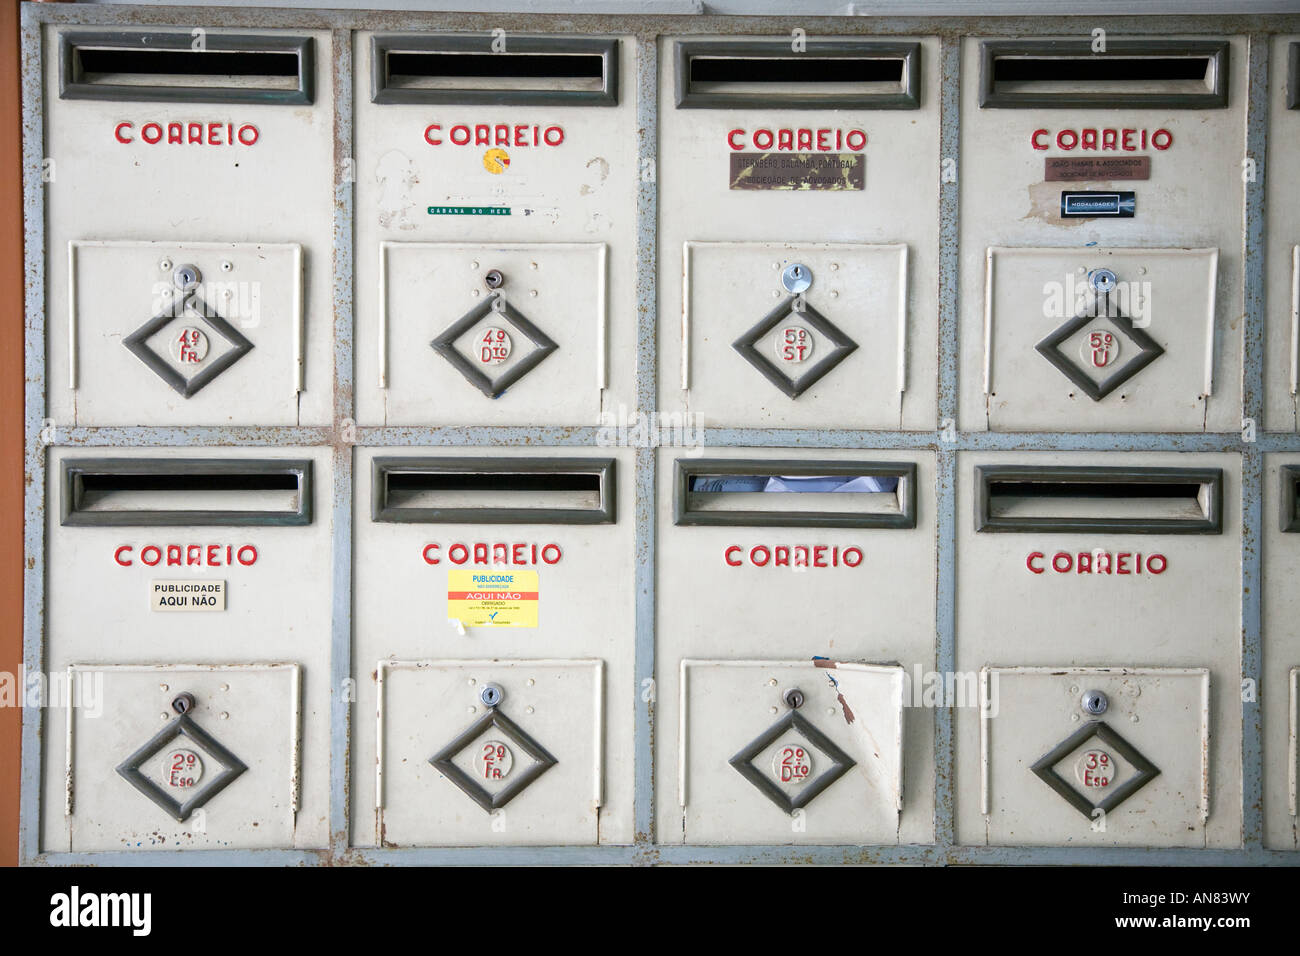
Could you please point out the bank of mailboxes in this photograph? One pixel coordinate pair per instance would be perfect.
(196, 699)
(801, 179)
(1100, 234)
(1108, 700)
(179, 290)
(1282, 242)
(1279, 689)
(496, 218)
(794, 613)
(493, 602)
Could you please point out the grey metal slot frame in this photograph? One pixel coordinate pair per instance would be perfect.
(383, 92)
(1210, 479)
(1216, 51)
(1293, 76)
(75, 470)
(73, 85)
(1290, 488)
(908, 55)
(382, 509)
(179, 728)
(684, 514)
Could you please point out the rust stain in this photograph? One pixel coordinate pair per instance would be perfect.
(848, 712)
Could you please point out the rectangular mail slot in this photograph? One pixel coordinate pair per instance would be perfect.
(827, 74)
(165, 67)
(794, 494)
(494, 490)
(1099, 499)
(185, 491)
(530, 71)
(1167, 74)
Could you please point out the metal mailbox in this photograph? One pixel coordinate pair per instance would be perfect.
(493, 609)
(496, 220)
(779, 577)
(1277, 693)
(189, 612)
(1117, 574)
(1282, 249)
(1096, 294)
(800, 173)
(189, 226)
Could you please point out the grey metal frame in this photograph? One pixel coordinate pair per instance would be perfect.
(687, 468)
(1044, 768)
(908, 54)
(990, 98)
(602, 468)
(1288, 479)
(381, 92)
(1148, 351)
(1209, 478)
(72, 87)
(743, 762)
(445, 345)
(542, 761)
(182, 726)
(74, 470)
(946, 441)
(799, 307)
(137, 344)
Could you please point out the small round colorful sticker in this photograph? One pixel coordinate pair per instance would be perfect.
(496, 160)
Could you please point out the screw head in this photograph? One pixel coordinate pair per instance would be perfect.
(1094, 702)
(490, 694)
(793, 698)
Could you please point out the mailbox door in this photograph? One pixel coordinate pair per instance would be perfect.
(189, 222)
(1124, 170)
(1120, 561)
(496, 217)
(826, 578)
(1282, 245)
(185, 564)
(454, 769)
(790, 752)
(501, 562)
(1107, 756)
(804, 213)
(1276, 692)
(142, 772)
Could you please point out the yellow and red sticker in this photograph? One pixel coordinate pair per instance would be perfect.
(496, 161)
(486, 597)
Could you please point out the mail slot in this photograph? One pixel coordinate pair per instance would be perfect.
(1098, 599)
(1279, 696)
(800, 174)
(493, 603)
(795, 612)
(498, 183)
(1282, 244)
(188, 618)
(225, 318)
(1100, 234)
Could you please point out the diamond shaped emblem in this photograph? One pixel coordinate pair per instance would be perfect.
(797, 307)
(188, 305)
(444, 345)
(182, 728)
(1045, 768)
(542, 761)
(794, 722)
(1148, 351)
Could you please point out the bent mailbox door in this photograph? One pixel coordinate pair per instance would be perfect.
(189, 227)
(1098, 599)
(795, 616)
(494, 622)
(496, 211)
(802, 188)
(187, 642)
(1101, 234)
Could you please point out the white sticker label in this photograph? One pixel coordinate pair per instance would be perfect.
(187, 595)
